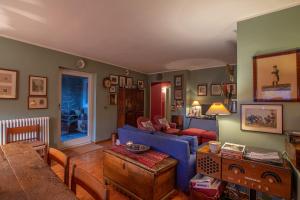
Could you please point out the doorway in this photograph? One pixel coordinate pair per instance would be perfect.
(161, 99)
(76, 108)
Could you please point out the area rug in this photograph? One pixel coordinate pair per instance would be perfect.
(80, 150)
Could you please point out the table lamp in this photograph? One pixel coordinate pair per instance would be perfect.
(197, 107)
(217, 109)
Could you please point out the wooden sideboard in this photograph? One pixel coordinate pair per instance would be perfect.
(138, 180)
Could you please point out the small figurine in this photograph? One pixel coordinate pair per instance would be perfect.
(275, 74)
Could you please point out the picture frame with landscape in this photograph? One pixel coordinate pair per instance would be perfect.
(8, 84)
(202, 90)
(178, 94)
(38, 85)
(37, 102)
(267, 118)
(276, 76)
(215, 90)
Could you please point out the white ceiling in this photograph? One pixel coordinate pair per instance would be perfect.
(143, 35)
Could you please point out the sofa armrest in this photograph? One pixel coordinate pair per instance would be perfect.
(172, 125)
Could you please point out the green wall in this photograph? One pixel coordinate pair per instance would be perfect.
(268, 33)
(207, 76)
(32, 60)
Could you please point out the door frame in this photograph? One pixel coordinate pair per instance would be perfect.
(91, 111)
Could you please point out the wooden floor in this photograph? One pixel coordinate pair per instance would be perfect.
(93, 163)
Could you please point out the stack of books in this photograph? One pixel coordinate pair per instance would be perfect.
(208, 187)
(293, 137)
(230, 150)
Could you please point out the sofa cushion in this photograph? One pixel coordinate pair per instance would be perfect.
(209, 135)
(164, 123)
(132, 128)
(148, 125)
(193, 131)
(173, 131)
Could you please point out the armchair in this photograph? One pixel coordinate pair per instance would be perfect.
(169, 128)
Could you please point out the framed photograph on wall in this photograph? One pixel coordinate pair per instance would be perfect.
(178, 95)
(37, 85)
(37, 102)
(122, 81)
(202, 90)
(215, 90)
(114, 79)
(113, 89)
(129, 82)
(267, 118)
(276, 76)
(113, 99)
(140, 84)
(8, 84)
(178, 81)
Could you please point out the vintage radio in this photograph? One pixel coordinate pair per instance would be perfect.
(208, 163)
(270, 179)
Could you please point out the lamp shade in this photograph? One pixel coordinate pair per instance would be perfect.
(195, 103)
(217, 109)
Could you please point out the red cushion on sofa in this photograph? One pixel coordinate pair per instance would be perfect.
(209, 135)
(193, 131)
(172, 131)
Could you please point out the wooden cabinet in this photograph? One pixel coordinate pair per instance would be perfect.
(138, 180)
(130, 106)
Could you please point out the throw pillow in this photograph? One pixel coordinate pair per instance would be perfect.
(148, 125)
(164, 122)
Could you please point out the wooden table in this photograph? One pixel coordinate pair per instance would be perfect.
(25, 175)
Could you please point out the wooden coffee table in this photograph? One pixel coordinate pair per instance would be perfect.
(138, 180)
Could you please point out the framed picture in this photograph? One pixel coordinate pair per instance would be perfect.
(37, 102)
(140, 84)
(122, 81)
(113, 98)
(113, 89)
(129, 82)
(276, 76)
(262, 118)
(37, 86)
(114, 79)
(215, 90)
(178, 94)
(8, 84)
(178, 81)
(231, 87)
(202, 90)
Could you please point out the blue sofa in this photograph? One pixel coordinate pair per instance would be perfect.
(181, 148)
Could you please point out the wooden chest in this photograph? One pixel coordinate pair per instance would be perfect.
(138, 180)
(270, 179)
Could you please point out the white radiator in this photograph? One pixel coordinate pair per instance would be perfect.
(42, 121)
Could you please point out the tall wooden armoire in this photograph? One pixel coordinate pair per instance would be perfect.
(130, 106)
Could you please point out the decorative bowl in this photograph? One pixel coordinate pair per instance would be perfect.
(137, 148)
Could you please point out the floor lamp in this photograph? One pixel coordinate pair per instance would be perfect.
(217, 109)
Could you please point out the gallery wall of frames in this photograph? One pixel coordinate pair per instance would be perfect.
(37, 90)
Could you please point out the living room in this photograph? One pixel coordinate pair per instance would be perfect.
(195, 79)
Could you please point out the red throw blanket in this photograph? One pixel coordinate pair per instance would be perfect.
(149, 158)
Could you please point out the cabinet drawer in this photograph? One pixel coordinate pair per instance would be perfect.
(135, 179)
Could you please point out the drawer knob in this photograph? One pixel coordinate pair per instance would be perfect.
(124, 166)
